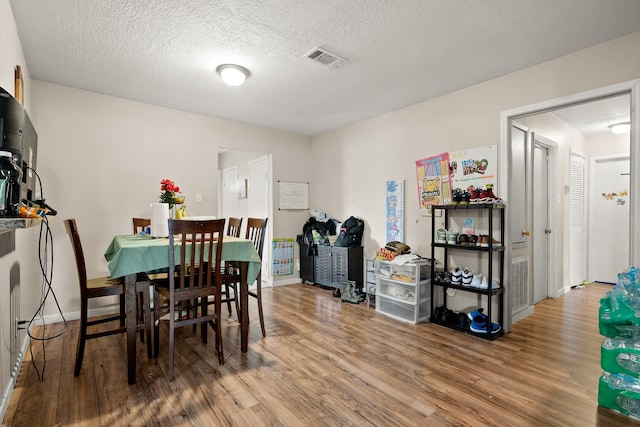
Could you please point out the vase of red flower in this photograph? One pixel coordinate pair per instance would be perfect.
(170, 193)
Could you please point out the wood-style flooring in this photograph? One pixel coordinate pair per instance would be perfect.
(327, 363)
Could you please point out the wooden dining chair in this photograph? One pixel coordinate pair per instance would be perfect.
(193, 282)
(139, 224)
(96, 288)
(233, 227)
(229, 273)
(256, 230)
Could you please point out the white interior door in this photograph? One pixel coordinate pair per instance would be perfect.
(258, 205)
(229, 202)
(577, 221)
(609, 218)
(541, 227)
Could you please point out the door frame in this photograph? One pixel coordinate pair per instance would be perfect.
(267, 276)
(631, 87)
(591, 231)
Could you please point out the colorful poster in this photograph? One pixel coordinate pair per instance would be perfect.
(282, 257)
(395, 210)
(434, 182)
(473, 168)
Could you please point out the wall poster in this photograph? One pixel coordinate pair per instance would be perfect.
(395, 210)
(434, 182)
(475, 167)
(282, 251)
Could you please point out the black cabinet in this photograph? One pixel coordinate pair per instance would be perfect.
(332, 265)
(494, 296)
(307, 265)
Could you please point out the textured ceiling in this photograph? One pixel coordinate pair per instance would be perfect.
(399, 53)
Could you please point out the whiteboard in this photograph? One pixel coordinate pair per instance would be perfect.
(293, 195)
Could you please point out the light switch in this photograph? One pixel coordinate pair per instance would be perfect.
(198, 197)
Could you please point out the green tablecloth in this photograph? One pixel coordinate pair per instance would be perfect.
(132, 254)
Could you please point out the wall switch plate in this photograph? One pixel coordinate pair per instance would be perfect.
(198, 197)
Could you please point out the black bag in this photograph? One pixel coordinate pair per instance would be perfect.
(350, 233)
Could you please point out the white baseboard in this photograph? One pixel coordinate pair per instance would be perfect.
(291, 281)
(522, 314)
(15, 372)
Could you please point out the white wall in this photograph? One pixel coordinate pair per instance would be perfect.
(26, 240)
(102, 158)
(359, 159)
(608, 145)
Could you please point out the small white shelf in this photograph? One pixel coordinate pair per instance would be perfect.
(16, 223)
(408, 300)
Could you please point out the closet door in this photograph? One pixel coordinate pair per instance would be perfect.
(577, 221)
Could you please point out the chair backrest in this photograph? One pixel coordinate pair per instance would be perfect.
(256, 230)
(72, 231)
(139, 224)
(233, 227)
(195, 274)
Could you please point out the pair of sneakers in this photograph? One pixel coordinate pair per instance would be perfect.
(480, 322)
(461, 276)
(447, 236)
(480, 281)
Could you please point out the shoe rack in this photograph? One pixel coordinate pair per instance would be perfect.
(492, 297)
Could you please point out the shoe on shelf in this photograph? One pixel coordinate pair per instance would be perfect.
(456, 276)
(441, 235)
(463, 239)
(492, 197)
(467, 277)
(484, 284)
(494, 242)
(477, 316)
(477, 280)
(456, 197)
(473, 240)
(464, 198)
(481, 328)
(483, 241)
(452, 236)
(476, 196)
(484, 197)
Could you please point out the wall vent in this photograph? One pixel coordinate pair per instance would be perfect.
(325, 57)
(520, 284)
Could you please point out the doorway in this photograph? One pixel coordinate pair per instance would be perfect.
(544, 265)
(259, 207)
(559, 283)
(609, 255)
(252, 169)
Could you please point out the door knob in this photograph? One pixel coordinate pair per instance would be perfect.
(526, 233)
(547, 231)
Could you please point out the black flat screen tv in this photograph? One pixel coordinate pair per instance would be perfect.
(19, 137)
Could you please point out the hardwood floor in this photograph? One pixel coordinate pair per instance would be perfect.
(327, 363)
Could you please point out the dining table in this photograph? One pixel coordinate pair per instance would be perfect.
(130, 255)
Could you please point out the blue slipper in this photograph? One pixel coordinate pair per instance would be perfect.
(477, 316)
(481, 328)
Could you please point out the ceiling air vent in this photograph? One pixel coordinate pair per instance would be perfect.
(325, 57)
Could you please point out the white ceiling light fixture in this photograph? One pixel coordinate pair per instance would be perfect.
(620, 128)
(232, 75)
